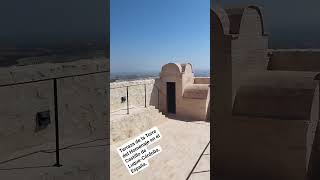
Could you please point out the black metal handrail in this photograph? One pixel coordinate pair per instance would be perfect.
(145, 94)
(56, 107)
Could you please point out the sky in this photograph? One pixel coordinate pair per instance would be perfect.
(40, 23)
(146, 34)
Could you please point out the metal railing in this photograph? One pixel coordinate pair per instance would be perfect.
(145, 95)
(56, 106)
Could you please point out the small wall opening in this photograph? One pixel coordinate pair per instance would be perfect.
(42, 120)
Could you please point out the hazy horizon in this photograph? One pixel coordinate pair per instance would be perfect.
(147, 74)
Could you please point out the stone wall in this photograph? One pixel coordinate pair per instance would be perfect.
(126, 127)
(152, 92)
(271, 110)
(275, 115)
(191, 94)
(201, 80)
(294, 60)
(83, 106)
(249, 48)
(18, 108)
(27, 90)
(137, 91)
(193, 109)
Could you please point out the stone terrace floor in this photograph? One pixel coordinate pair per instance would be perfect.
(202, 167)
(185, 154)
(81, 162)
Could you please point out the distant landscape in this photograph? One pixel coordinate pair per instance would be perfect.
(28, 56)
(123, 76)
(72, 52)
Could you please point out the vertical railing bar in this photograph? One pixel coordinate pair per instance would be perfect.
(145, 95)
(158, 100)
(56, 118)
(127, 99)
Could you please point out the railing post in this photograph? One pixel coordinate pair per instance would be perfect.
(145, 95)
(127, 99)
(158, 99)
(56, 118)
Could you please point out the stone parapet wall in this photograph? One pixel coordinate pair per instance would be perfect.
(128, 126)
(120, 84)
(138, 90)
(272, 114)
(18, 108)
(294, 60)
(201, 80)
(26, 91)
(44, 71)
(185, 99)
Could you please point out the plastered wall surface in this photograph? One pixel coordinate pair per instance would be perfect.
(201, 80)
(18, 108)
(154, 90)
(83, 112)
(136, 94)
(294, 60)
(249, 48)
(192, 93)
(278, 112)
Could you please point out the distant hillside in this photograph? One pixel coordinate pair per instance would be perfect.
(26, 56)
(202, 73)
(123, 76)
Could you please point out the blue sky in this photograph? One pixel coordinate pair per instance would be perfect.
(146, 34)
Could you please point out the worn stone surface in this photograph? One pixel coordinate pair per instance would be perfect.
(83, 103)
(82, 108)
(294, 60)
(18, 74)
(281, 147)
(182, 144)
(283, 95)
(192, 99)
(18, 108)
(201, 80)
(202, 169)
(136, 94)
(271, 129)
(124, 126)
(192, 96)
(81, 162)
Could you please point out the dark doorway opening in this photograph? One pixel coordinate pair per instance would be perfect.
(171, 97)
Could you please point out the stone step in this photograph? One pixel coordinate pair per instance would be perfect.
(131, 125)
